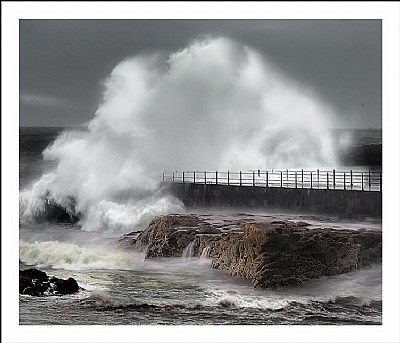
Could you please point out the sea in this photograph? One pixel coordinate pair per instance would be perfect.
(120, 287)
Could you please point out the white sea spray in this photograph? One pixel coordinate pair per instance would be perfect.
(214, 105)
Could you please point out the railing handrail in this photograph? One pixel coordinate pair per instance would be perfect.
(364, 180)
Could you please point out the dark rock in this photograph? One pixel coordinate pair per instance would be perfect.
(168, 236)
(282, 253)
(37, 283)
(33, 274)
(270, 254)
(61, 286)
(128, 240)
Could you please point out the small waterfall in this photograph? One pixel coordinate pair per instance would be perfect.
(189, 250)
(205, 253)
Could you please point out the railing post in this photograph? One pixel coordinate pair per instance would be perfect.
(163, 177)
(183, 177)
(334, 179)
(380, 182)
(266, 179)
(327, 180)
(369, 179)
(240, 178)
(228, 177)
(351, 179)
(281, 180)
(216, 177)
(302, 178)
(362, 181)
(318, 177)
(194, 177)
(173, 177)
(287, 174)
(205, 177)
(344, 180)
(311, 180)
(254, 179)
(295, 179)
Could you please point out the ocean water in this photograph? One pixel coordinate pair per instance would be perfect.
(120, 287)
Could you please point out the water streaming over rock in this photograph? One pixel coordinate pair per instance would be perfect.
(205, 253)
(188, 252)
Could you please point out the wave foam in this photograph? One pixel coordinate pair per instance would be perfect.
(214, 105)
(73, 257)
(234, 299)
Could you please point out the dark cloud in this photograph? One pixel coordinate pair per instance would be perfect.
(62, 62)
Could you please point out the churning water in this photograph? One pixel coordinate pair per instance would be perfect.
(211, 106)
(122, 288)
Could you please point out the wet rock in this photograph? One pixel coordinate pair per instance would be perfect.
(168, 236)
(270, 254)
(283, 253)
(37, 283)
(33, 274)
(62, 287)
(128, 240)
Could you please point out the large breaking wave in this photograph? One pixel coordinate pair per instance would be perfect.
(214, 105)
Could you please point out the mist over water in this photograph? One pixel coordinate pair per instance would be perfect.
(214, 105)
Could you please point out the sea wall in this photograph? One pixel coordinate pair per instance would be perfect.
(347, 203)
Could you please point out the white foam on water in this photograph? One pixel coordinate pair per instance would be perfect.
(73, 257)
(235, 298)
(363, 286)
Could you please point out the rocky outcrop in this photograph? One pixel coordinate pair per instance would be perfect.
(37, 283)
(168, 236)
(269, 253)
(284, 253)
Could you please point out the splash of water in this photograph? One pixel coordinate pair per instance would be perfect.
(188, 252)
(205, 253)
(73, 257)
(214, 105)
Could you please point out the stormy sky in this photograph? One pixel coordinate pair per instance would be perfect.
(63, 62)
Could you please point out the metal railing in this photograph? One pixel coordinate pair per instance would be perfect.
(287, 178)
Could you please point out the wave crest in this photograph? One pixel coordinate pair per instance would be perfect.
(214, 105)
(73, 257)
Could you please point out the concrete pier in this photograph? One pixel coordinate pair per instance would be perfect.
(346, 203)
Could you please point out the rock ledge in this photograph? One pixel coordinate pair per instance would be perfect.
(270, 254)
